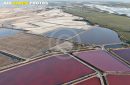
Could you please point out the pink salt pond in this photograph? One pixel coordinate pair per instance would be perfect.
(90, 81)
(124, 54)
(102, 60)
(118, 79)
(55, 70)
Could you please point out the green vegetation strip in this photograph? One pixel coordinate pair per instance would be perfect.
(120, 24)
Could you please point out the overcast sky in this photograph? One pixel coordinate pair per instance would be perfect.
(69, 0)
(93, 0)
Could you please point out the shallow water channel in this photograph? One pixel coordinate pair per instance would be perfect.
(8, 32)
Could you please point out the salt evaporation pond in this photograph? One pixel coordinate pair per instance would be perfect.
(63, 33)
(97, 36)
(118, 79)
(102, 60)
(51, 71)
(123, 54)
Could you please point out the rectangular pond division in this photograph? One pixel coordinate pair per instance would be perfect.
(123, 54)
(27, 45)
(89, 81)
(118, 79)
(6, 60)
(102, 60)
(54, 70)
(115, 46)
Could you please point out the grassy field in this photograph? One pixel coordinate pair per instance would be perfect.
(120, 24)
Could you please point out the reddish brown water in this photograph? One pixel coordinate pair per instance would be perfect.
(124, 54)
(92, 81)
(103, 61)
(52, 71)
(118, 79)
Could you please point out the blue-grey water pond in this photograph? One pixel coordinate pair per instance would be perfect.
(8, 32)
(63, 33)
(97, 36)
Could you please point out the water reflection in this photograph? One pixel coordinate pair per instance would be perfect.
(98, 36)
